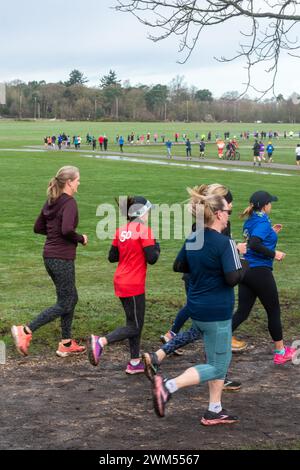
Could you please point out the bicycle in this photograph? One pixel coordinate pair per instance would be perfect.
(232, 155)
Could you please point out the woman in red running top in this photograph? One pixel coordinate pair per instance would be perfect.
(133, 247)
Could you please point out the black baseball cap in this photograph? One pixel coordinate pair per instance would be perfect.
(261, 198)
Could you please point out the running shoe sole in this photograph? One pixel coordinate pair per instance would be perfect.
(134, 372)
(158, 400)
(65, 354)
(149, 370)
(178, 352)
(228, 388)
(239, 349)
(213, 422)
(90, 351)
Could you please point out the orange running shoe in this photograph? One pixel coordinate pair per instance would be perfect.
(74, 348)
(21, 339)
(238, 345)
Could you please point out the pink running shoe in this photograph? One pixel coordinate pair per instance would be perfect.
(21, 339)
(138, 369)
(160, 394)
(94, 349)
(287, 356)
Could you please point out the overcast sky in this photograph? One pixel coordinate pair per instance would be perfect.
(46, 39)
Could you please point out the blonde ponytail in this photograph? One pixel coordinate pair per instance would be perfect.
(247, 212)
(57, 184)
(203, 204)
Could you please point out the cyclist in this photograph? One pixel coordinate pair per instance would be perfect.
(230, 150)
(235, 142)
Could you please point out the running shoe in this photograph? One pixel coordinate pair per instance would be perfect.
(231, 385)
(237, 345)
(212, 419)
(137, 369)
(151, 365)
(94, 349)
(287, 356)
(74, 348)
(167, 337)
(21, 339)
(161, 395)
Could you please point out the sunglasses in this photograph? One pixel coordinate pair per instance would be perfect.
(229, 211)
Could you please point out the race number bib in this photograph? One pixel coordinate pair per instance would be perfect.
(125, 235)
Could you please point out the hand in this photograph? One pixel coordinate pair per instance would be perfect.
(85, 240)
(279, 255)
(277, 227)
(242, 248)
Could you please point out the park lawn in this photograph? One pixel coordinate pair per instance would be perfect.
(17, 134)
(26, 289)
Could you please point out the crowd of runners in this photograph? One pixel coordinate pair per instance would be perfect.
(227, 148)
(210, 271)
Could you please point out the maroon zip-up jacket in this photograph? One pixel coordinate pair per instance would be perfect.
(58, 221)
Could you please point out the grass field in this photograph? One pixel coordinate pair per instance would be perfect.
(26, 289)
(22, 133)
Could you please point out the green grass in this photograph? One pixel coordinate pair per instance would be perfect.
(21, 133)
(24, 285)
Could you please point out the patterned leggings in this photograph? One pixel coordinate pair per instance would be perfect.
(62, 273)
(182, 339)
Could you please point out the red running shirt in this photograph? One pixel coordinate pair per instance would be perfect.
(130, 275)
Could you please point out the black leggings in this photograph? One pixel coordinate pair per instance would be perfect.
(135, 312)
(259, 282)
(62, 273)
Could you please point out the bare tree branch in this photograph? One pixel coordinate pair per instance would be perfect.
(272, 26)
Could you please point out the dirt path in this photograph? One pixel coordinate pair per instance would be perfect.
(52, 403)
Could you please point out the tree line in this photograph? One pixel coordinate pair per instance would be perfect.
(111, 100)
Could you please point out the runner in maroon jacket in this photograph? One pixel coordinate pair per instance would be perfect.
(58, 221)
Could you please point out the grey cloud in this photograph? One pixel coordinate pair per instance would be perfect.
(46, 39)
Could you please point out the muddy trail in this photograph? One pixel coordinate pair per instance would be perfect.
(53, 403)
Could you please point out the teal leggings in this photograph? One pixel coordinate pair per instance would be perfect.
(217, 344)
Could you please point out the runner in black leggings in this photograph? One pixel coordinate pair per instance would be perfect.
(133, 247)
(58, 221)
(134, 308)
(258, 281)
